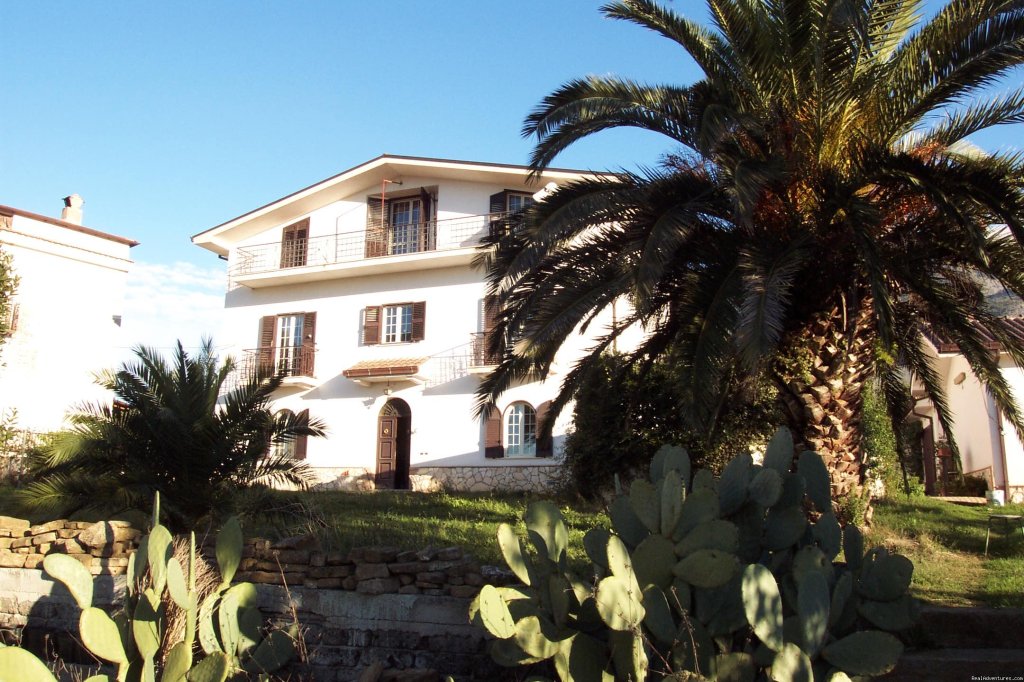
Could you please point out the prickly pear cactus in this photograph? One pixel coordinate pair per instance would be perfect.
(733, 578)
(132, 639)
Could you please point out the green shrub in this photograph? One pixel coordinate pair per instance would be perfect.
(622, 416)
(880, 449)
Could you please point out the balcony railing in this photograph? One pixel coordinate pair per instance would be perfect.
(375, 241)
(480, 356)
(289, 362)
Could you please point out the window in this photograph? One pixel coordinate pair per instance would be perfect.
(292, 448)
(397, 323)
(397, 225)
(285, 449)
(394, 323)
(294, 243)
(9, 324)
(518, 202)
(287, 343)
(514, 432)
(405, 225)
(520, 430)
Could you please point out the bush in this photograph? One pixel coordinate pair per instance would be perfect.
(622, 416)
(880, 447)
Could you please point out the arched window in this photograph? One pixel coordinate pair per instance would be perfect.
(520, 430)
(293, 448)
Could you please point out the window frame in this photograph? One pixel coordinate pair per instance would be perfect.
(398, 326)
(525, 415)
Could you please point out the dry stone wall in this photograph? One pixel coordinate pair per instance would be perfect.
(402, 609)
(435, 571)
(102, 547)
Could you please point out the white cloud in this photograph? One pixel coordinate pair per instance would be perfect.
(167, 302)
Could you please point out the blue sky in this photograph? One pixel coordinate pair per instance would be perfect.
(169, 118)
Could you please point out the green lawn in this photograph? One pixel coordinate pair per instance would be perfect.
(414, 520)
(946, 542)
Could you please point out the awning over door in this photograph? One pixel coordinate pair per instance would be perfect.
(368, 372)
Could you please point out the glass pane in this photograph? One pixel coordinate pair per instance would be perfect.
(289, 343)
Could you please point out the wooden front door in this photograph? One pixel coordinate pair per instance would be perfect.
(387, 450)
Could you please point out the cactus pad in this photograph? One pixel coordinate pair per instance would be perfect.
(868, 652)
(707, 568)
(763, 605)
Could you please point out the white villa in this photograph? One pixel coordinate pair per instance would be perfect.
(66, 318)
(989, 445)
(360, 289)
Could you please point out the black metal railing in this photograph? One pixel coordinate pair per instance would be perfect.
(376, 240)
(480, 356)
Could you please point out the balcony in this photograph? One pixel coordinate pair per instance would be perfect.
(375, 249)
(294, 364)
(481, 361)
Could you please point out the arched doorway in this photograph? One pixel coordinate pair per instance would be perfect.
(394, 427)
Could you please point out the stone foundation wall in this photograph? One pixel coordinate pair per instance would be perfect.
(484, 479)
(427, 479)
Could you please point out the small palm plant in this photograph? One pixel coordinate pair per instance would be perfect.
(172, 430)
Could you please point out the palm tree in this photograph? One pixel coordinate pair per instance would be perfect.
(171, 430)
(821, 211)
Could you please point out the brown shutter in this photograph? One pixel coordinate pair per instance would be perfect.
(544, 443)
(308, 349)
(499, 202)
(490, 318)
(265, 354)
(376, 229)
(300, 441)
(371, 325)
(427, 234)
(493, 448)
(419, 320)
(294, 243)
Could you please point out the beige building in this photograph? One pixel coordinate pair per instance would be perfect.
(65, 322)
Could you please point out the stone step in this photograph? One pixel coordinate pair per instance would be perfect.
(958, 664)
(975, 628)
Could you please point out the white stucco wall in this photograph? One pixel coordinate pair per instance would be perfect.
(71, 286)
(445, 432)
(977, 422)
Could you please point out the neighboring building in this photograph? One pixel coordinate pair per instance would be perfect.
(989, 445)
(360, 289)
(66, 314)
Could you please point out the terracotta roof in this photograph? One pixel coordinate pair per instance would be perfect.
(385, 367)
(943, 344)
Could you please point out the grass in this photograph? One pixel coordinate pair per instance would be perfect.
(415, 520)
(946, 542)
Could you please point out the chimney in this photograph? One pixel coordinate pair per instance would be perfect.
(72, 212)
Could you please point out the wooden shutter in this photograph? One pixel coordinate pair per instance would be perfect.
(427, 235)
(265, 354)
(490, 319)
(493, 448)
(544, 443)
(308, 349)
(294, 244)
(499, 202)
(300, 441)
(371, 325)
(376, 229)
(419, 320)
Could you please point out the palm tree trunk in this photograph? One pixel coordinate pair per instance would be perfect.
(820, 382)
